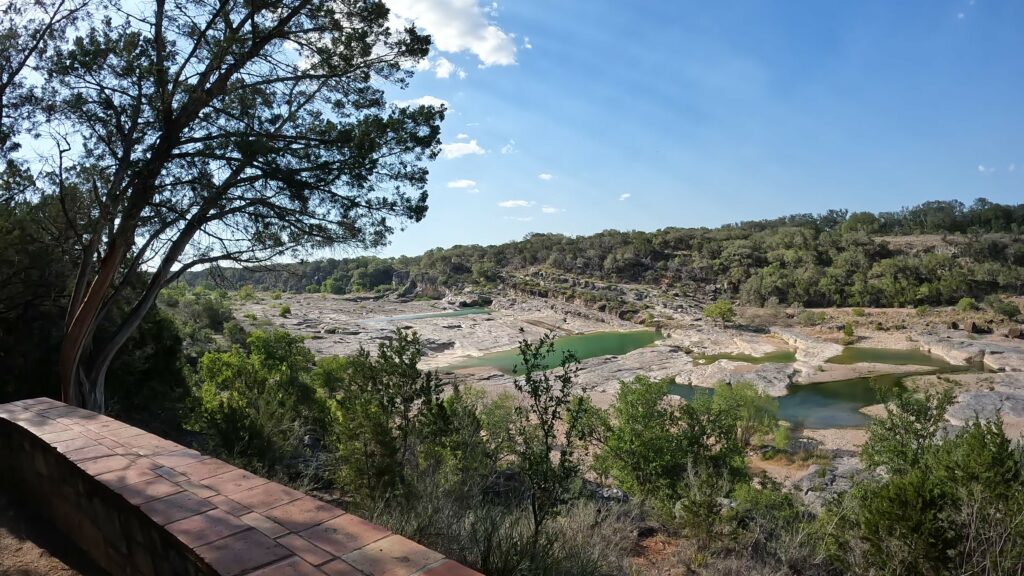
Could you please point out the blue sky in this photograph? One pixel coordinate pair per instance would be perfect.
(711, 112)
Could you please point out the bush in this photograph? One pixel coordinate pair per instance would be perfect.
(1002, 307)
(284, 311)
(755, 411)
(848, 334)
(276, 295)
(922, 310)
(811, 318)
(966, 305)
(247, 293)
(859, 312)
(781, 438)
(722, 310)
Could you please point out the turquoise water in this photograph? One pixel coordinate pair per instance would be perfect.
(780, 357)
(857, 355)
(585, 345)
(825, 405)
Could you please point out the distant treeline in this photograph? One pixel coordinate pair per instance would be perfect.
(834, 258)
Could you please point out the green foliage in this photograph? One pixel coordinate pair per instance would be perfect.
(1002, 306)
(284, 310)
(781, 438)
(656, 445)
(276, 295)
(911, 426)
(721, 310)
(811, 318)
(859, 312)
(849, 336)
(967, 304)
(256, 406)
(550, 400)
(247, 293)
(755, 411)
(923, 310)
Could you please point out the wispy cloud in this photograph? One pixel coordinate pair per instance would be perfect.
(551, 210)
(424, 101)
(986, 169)
(545, 176)
(519, 218)
(458, 26)
(1011, 168)
(460, 149)
(625, 196)
(462, 184)
(509, 148)
(516, 204)
(462, 136)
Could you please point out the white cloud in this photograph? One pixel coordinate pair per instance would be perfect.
(459, 25)
(986, 169)
(624, 196)
(509, 148)
(545, 176)
(516, 204)
(460, 149)
(462, 184)
(960, 16)
(1011, 168)
(551, 210)
(462, 136)
(443, 68)
(519, 218)
(462, 74)
(424, 101)
(526, 43)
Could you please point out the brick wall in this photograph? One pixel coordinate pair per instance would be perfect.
(140, 504)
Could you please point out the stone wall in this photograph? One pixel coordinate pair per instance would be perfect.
(140, 504)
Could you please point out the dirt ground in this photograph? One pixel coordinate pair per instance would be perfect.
(30, 546)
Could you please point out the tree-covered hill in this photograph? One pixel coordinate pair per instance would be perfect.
(835, 258)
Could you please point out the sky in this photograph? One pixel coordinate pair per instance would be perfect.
(576, 116)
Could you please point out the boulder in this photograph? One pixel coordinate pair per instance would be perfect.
(973, 327)
(1015, 332)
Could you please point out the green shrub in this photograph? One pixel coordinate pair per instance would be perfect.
(859, 312)
(284, 311)
(276, 295)
(781, 438)
(922, 310)
(811, 318)
(247, 293)
(848, 334)
(966, 304)
(1002, 306)
(755, 412)
(721, 310)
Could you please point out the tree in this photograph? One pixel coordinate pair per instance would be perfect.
(722, 311)
(189, 134)
(755, 411)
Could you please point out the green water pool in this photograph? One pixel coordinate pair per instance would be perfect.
(780, 357)
(449, 314)
(859, 355)
(584, 345)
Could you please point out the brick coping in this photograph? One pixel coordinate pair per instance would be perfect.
(236, 522)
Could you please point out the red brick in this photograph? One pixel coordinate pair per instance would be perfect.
(126, 432)
(56, 437)
(126, 476)
(264, 524)
(288, 567)
(74, 444)
(104, 465)
(228, 505)
(141, 492)
(170, 473)
(88, 453)
(340, 568)
(107, 426)
(302, 513)
(110, 443)
(392, 556)
(234, 482)
(448, 568)
(240, 552)
(304, 548)
(202, 469)
(345, 534)
(266, 496)
(198, 489)
(180, 458)
(175, 507)
(207, 527)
